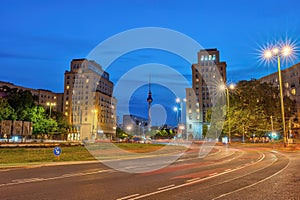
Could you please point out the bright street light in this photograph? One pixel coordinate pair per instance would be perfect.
(278, 52)
(50, 104)
(225, 88)
(179, 108)
(94, 111)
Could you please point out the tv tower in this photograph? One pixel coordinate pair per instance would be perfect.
(149, 100)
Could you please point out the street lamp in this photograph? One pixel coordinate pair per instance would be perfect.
(94, 111)
(179, 109)
(176, 110)
(226, 89)
(278, 52)
(50, 104)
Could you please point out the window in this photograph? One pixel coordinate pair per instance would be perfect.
(286, 85)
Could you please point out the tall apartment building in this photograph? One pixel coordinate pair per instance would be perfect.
(291, 89)
(88, 101)
(45, 97)
(207, 74)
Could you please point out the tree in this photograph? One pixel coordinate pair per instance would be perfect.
(6, 111)
(20, 105)
(41, 123)
(121, 134)
(251, 105)
(21, 101)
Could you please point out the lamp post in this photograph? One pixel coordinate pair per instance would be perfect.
(50, 104)
(277, 52)
(94, 111)
(176, 110)
(231, 87)
(179, 109)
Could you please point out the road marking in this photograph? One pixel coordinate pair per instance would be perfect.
(38, 179)
(227, 170)
(168, 186)
(191, 182)
(213, 174)
(194, 179)
(128, 197)
(28, 180)
(253, 184)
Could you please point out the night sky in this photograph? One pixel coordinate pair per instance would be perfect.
(40, 38)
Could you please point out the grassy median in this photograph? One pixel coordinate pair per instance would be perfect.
(69, 153)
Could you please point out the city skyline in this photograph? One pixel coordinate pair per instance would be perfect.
(41, 44)
(47, 39)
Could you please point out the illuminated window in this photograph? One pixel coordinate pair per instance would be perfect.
(286, 85)
(67, 102)
(202, 58)
(68, 87)
(66, 113)
(214, 57)
(293, 91)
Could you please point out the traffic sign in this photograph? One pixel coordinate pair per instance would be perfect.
(57, 151)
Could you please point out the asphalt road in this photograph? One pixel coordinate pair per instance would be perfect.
(226, 173)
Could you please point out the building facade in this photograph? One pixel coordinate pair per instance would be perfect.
(45, 98)
(207, 75)
(88, 102)
(135, 125)
(291, 89)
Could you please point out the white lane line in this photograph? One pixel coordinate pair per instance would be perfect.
(227, 170)
(189, 183)
(28, 180)
(213, 174)
(191, 180)
(168, 186)
(128, 197)
(248, 186)
(38, 179)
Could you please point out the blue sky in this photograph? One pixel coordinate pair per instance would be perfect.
(38, 39)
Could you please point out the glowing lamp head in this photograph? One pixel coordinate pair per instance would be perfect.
(286, 51)
(231, 86)
(275, 51)
(177, 100)
(222, 87)
(268, 54)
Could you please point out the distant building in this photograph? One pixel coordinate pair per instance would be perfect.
(88, 102)
(134, 125)
(45, 97)
(291, 89)
(206, 74)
